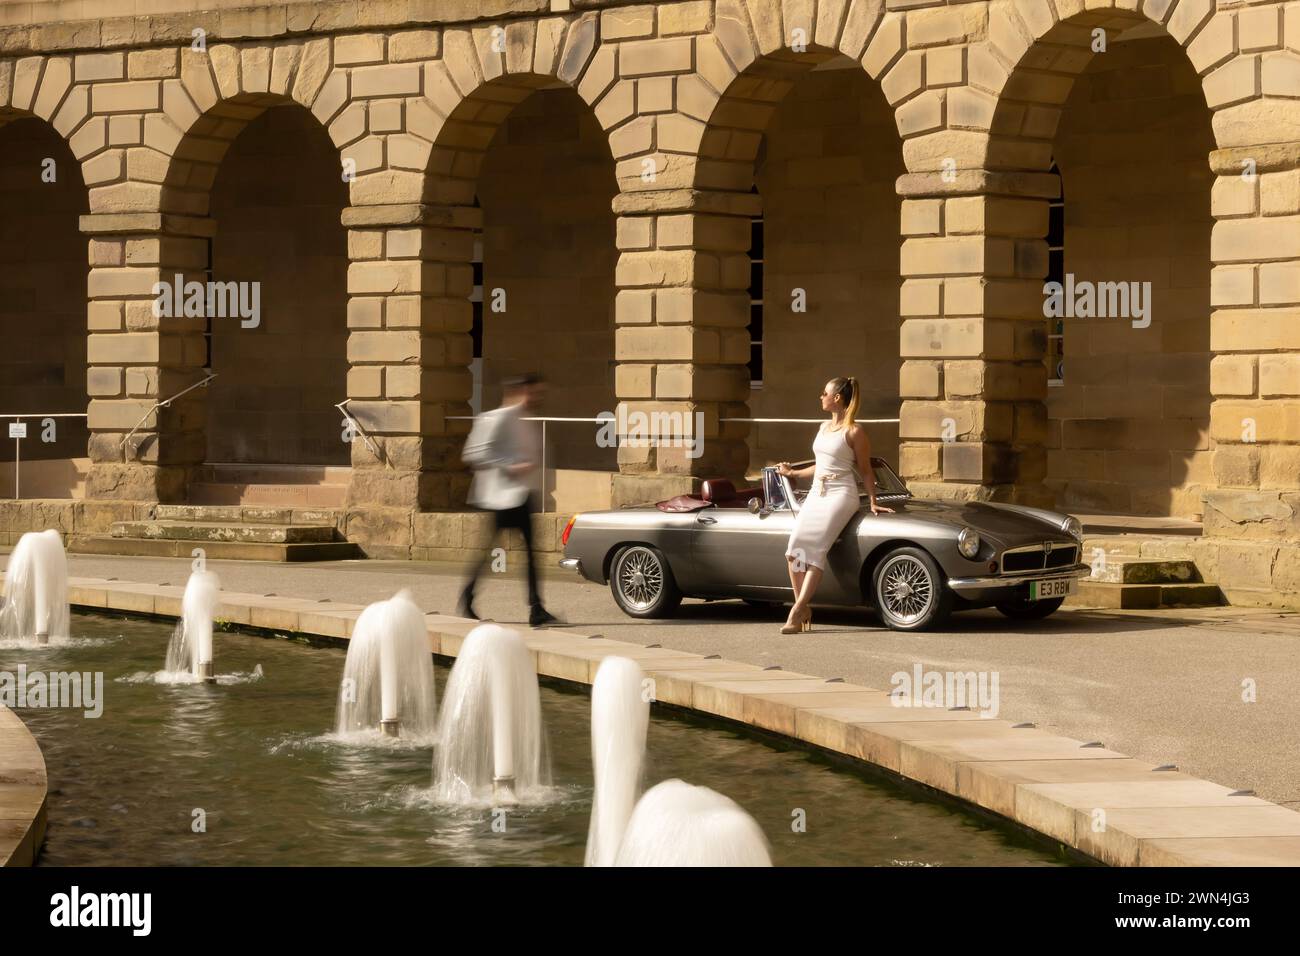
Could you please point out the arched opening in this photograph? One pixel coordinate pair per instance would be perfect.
(43, 269)
(548, 258)
(1128, 396)
(277, 201)
(530, 155)
(821, 150)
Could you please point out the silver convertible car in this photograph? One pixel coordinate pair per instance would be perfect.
(913, 566)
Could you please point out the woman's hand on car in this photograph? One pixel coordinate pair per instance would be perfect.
(880, 509)
(783, 469)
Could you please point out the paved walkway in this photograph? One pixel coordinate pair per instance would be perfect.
(1162, 686)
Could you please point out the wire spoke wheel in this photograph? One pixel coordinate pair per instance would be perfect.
(906, 589)
(640, 578)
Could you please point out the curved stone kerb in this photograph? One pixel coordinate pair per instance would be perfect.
(23, 788)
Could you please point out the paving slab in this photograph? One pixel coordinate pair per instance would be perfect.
(995, 783)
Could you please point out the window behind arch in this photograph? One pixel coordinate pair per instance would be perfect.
(1056, 273)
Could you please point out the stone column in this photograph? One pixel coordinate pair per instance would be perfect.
(409, 348)
(1255, 371)
(973, 381)
(681, 339)
(137, 358)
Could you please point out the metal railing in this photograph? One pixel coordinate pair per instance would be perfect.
(606, 419)
(165, 403)
(365, 436)
(18, 440)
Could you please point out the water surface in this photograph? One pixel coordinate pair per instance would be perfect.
(254, 753)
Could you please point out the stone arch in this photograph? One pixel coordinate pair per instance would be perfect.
(811, 138)
(1039, 50)
(42, 305)
(221, 91)
(1126, 427)
(748, 64)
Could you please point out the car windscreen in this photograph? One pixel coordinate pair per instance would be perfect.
(887, 482)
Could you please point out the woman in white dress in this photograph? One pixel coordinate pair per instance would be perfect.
(843, 457)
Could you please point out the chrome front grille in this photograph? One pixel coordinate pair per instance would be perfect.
(1034, 558)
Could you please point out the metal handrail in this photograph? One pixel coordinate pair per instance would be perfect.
(796, 421)
(165, 403)
(374, 449)
(811, 421)
(45, 415)
(560, 418)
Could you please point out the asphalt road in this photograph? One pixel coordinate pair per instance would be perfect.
(1166, 687)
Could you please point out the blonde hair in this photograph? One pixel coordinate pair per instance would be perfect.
(847, 389)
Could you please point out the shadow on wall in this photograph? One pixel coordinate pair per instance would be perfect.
(277, 201)
(43, 269)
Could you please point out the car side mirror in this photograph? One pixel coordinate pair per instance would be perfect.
(756, 508)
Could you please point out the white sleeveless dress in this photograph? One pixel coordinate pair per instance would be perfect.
(831, 501)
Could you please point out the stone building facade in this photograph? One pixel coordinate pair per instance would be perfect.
(917, 171)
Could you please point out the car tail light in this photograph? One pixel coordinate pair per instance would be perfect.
(564, 538)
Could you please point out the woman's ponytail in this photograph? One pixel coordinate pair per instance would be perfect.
(849, 393)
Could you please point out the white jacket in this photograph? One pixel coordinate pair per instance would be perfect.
(500, 438)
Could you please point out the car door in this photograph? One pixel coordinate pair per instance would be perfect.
(735, 553)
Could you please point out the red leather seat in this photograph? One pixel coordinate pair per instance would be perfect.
(723, 494)
(718, 491)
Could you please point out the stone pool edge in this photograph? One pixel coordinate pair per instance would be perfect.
(1099, 802)
(23, 791)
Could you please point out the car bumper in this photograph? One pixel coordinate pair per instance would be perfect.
(571, 564)
(1003, 586)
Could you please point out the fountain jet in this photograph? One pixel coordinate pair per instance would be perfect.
(388, 676)
(36, 589)
(619, 720)
(490, 733)
(677, 824)
(191, 645)
(674, 823)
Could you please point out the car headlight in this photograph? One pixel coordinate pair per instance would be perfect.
(968, 543)
(1073, 527)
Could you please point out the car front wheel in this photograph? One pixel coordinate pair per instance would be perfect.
(910, 591)
(642, 582)
(1022, 610)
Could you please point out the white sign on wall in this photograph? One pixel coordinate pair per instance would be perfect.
(17, 429)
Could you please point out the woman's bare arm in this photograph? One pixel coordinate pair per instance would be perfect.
(861, 446)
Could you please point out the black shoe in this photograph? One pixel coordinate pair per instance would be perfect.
(540, 617)
(466, 607)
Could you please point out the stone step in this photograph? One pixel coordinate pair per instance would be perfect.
(217, 550)
(1128, 570)
(284, 495)
(244, 514)
(1144, 596)
(203, 531)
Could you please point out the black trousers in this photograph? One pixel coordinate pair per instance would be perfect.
(521, 519)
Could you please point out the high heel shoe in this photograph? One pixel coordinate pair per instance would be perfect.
(804, 623)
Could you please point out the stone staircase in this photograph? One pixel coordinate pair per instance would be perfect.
(1143, 571)
(237, 532)
(275, 486)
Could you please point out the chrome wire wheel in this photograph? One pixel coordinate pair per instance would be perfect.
(906, 590)
(640, 578)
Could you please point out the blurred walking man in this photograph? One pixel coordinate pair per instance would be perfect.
(506, 456)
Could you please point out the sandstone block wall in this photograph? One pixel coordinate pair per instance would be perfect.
(690, 98)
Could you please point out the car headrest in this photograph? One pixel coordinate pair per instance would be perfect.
(717, 489)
